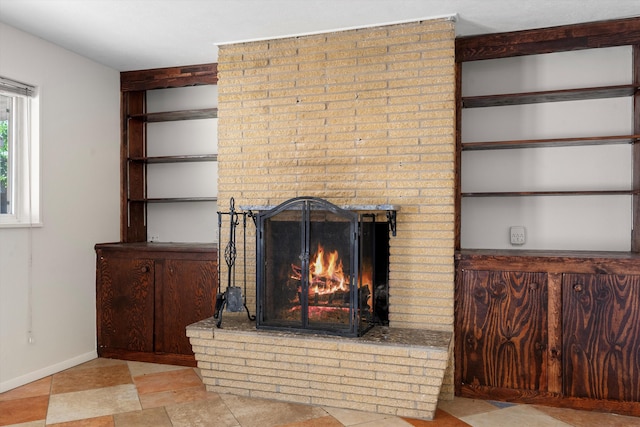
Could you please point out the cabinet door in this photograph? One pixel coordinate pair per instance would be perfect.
(188, 296)
(125, 297)
(502, 322)
(601, 335)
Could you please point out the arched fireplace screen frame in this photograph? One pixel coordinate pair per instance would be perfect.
(305, 213)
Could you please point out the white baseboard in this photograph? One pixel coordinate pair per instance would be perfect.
(46, 371)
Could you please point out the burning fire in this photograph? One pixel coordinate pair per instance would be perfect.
(326, 275)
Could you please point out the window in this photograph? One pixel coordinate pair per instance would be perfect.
(19, 155)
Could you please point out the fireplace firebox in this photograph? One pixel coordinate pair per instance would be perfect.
(321, 268)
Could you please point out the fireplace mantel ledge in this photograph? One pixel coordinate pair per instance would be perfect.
(358, 208)
(379, 335)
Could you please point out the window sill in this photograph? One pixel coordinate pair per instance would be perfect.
(6, 223)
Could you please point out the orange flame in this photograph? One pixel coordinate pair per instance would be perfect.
(326, 274)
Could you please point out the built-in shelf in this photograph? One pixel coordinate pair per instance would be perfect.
(549, 96)
(552, 193)
(168, 116)
(174, 199)
(551, 142)
(176, 159)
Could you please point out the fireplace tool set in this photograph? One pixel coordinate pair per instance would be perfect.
(232, 298)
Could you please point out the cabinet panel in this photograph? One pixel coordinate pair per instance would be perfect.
(601, 329)
(502, 328)
(125, 303)
(188, 295)
(146, 296)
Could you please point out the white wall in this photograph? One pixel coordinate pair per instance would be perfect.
(79, 138)
(192, 221)
(551, 222)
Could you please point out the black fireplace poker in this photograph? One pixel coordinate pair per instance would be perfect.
(232, 298)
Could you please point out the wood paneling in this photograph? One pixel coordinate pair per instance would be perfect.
(546, 40)
(161, 78)
(550, 261)
(187, 295)
(601, 328)
(502, 326)
(126, 312)
(133, 216)
(148, 293)
(635, 230)
(575, 342)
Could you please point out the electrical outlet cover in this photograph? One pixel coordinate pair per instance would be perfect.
(518, 236)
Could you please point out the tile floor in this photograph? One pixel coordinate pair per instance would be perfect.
(115, 393)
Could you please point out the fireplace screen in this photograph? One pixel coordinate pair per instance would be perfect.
(313, 273)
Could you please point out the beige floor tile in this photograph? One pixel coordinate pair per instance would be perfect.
(24, 410)
(156, 417)
(142, 368)
(37, 388)
(104, 421)
(386, 422)
(349, 417)
(167, 381)
(441, 419)
(203, 413)
(92, 403)
(462, 406)
(39, 423)
(269, 413)
(99, 362)
(327, 421)
(588, 418)
(518, 415)
(172, 397)
(90, 378)
(175, 396)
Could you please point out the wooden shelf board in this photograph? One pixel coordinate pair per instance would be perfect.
(168, 116)
(162, 78)
(551, 142)
(176, 159)
(174, 199)
(548, 96)
(552, 193)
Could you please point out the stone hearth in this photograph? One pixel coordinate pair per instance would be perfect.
(388, 370)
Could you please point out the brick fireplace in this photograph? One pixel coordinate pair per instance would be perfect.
(356, 117)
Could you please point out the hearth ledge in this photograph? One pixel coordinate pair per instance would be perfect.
(379, 335)
(389, 370)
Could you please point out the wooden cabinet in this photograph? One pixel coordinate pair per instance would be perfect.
(503, 320)
(555, 328)
(125, 291)
(552, 327)
(601, 330)
(148, 293)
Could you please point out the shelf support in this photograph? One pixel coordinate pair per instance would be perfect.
(635, 230)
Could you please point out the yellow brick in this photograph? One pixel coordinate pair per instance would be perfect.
(348, 144)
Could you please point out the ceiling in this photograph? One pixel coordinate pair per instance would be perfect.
(141, 34)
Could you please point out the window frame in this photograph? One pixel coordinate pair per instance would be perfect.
(24, 156)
